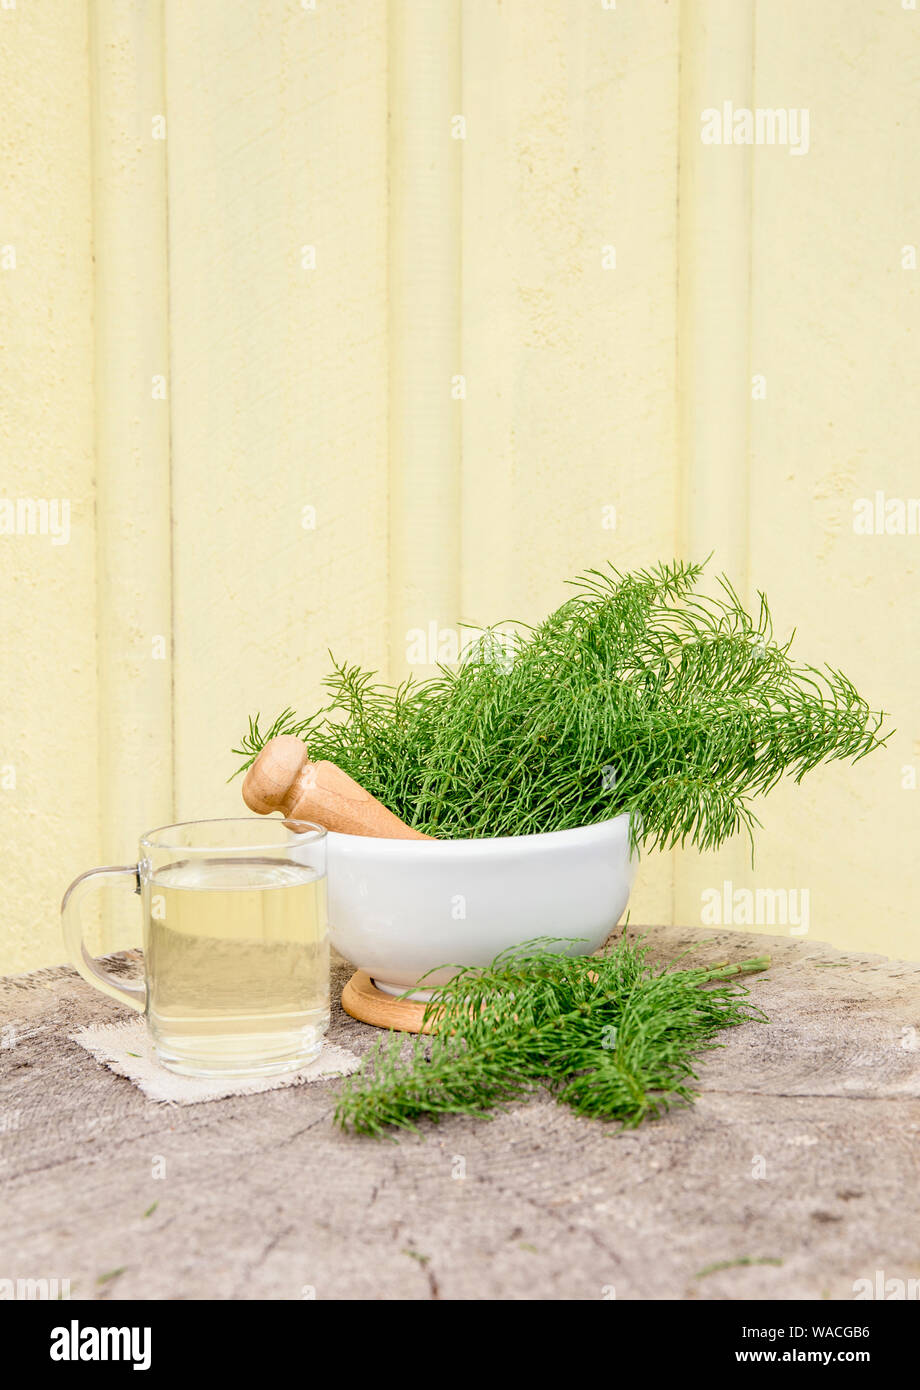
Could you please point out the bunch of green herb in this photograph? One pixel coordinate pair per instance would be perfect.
(609, 1036)
(638, 694)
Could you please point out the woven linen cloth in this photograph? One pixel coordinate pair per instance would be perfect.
(126, 1048)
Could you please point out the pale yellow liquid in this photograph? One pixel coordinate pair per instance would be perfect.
(237, 962)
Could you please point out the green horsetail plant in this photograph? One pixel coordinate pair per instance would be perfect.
(638, 694)
(609, 1036)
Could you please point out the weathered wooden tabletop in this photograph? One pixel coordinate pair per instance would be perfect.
(795, 1175)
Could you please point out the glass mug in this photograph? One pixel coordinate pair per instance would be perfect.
(236, 950)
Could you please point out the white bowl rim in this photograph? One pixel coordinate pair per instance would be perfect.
(597, 830)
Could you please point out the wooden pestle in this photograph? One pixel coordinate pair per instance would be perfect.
(282, 778)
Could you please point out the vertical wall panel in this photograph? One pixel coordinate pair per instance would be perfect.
(836, 331)
(133, 499)
(714, 318)
(570, 161)
(424, 324)
(277, 187)
(48, 734)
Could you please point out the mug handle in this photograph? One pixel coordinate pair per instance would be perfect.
(127, 992)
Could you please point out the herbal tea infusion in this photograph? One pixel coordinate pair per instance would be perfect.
(238, 962)
(236, 954)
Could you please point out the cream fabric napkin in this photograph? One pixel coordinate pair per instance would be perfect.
(126, 1049)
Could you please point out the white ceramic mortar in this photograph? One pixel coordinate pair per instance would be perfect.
(400, 908)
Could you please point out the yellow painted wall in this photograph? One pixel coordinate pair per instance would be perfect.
(49, 785)
(326, 363)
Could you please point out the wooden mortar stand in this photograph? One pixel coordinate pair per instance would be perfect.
(282, 778)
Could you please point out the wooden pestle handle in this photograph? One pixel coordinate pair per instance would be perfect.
(282, 778)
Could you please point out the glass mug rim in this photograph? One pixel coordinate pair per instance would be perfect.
(310, 833)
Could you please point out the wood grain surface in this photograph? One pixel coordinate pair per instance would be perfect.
(263, 1197)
